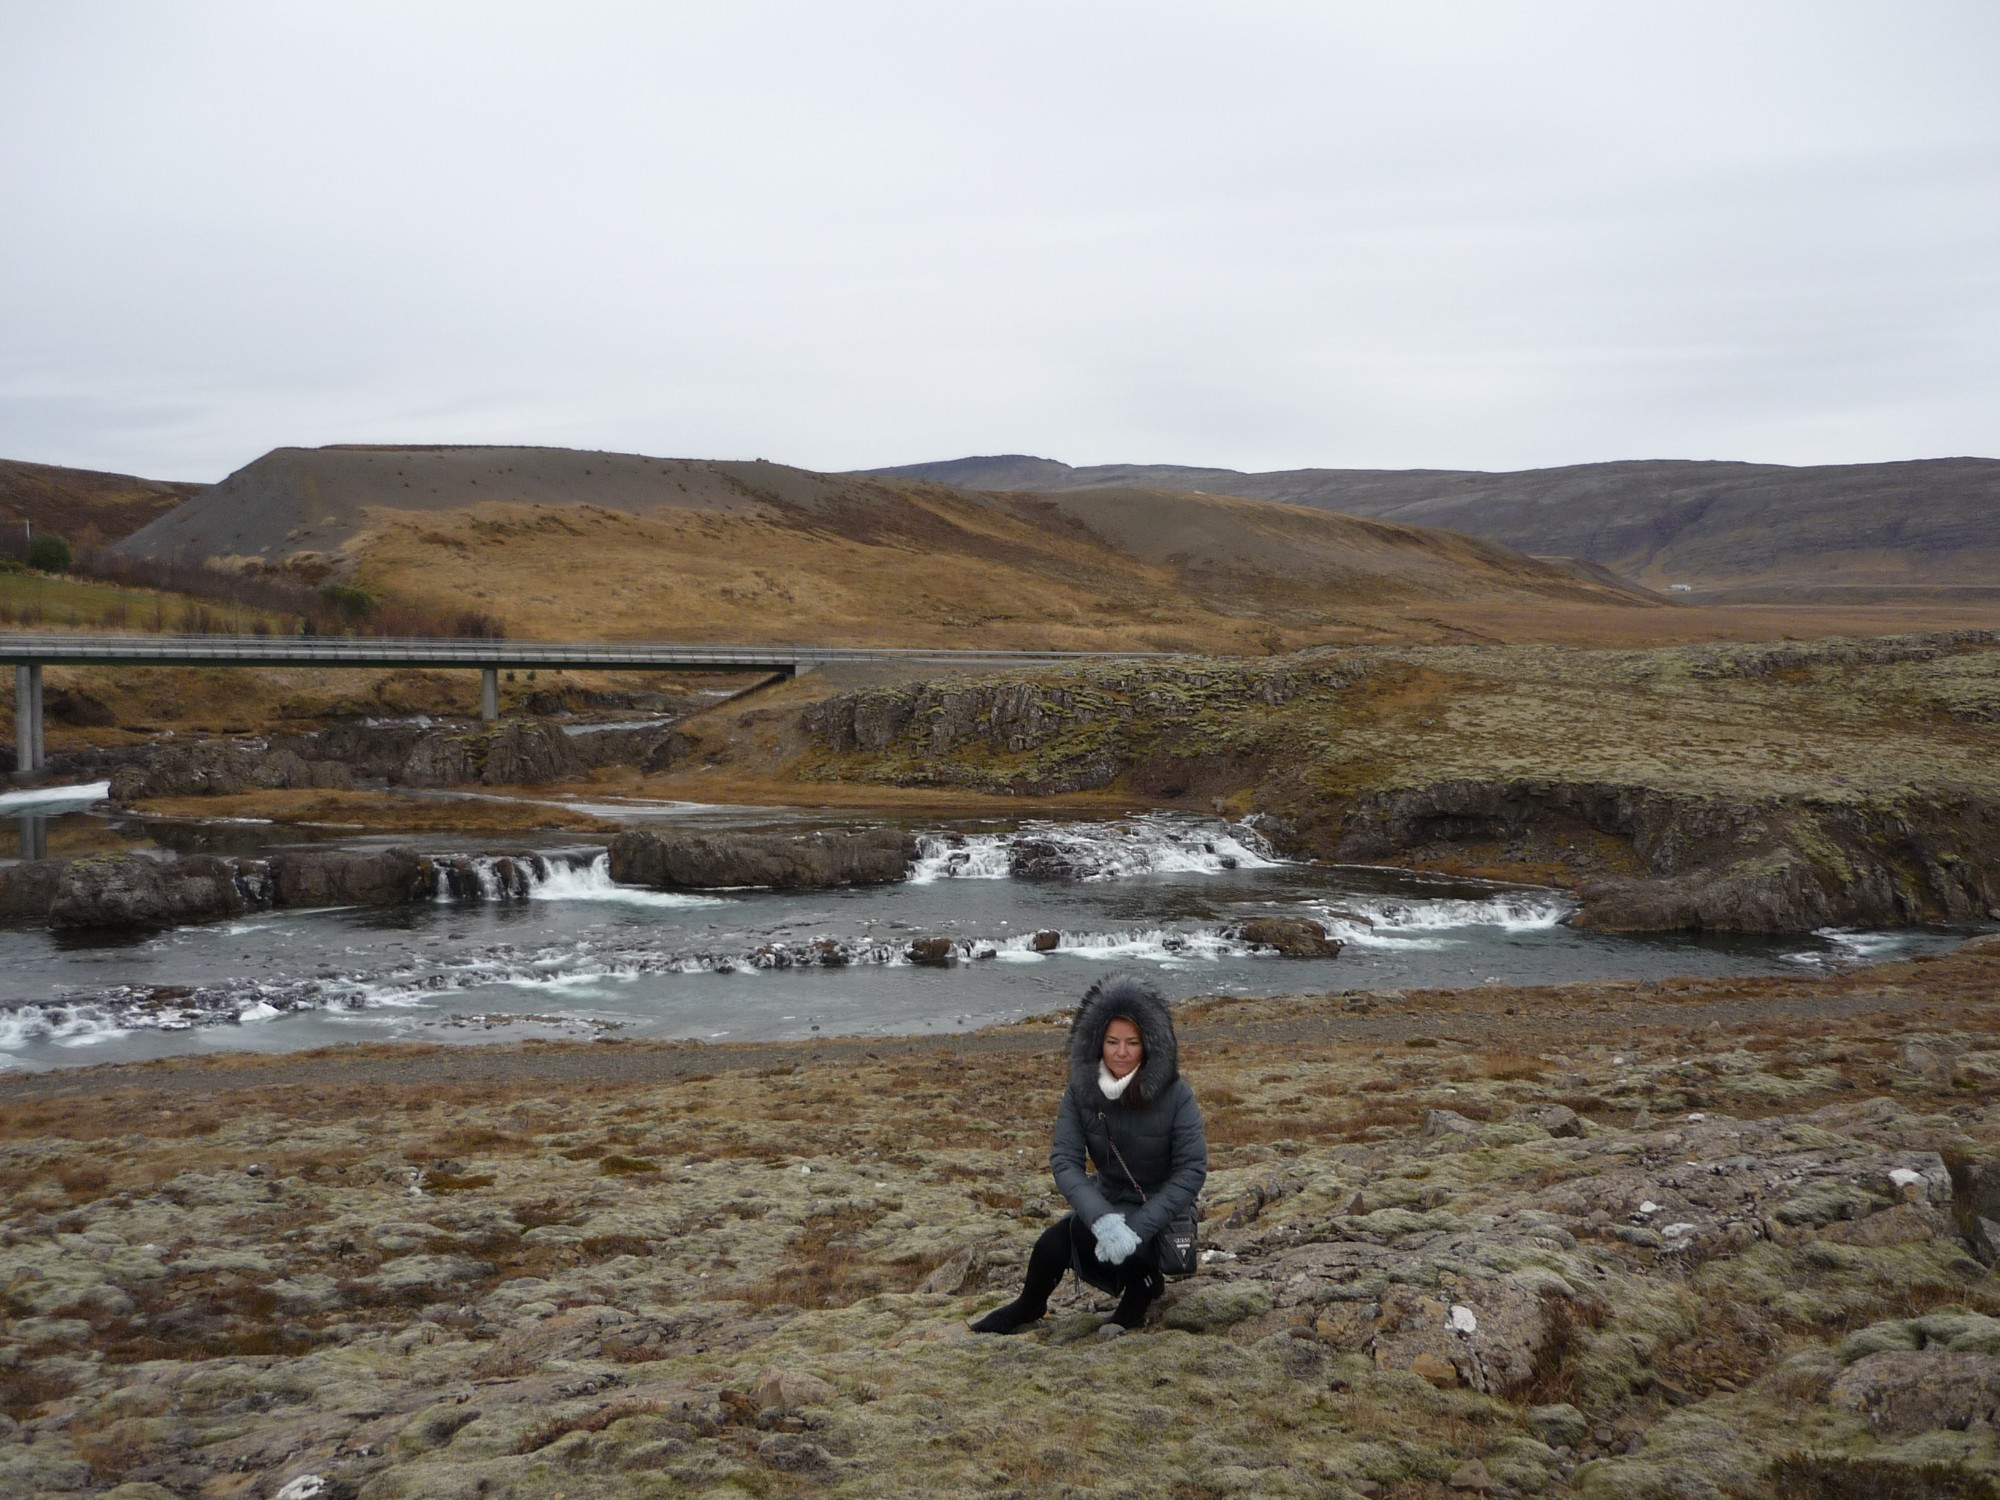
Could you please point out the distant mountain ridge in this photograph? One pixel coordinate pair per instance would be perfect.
(563, 540)
(1721, 527)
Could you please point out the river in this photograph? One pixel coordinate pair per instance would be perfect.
(578, 956)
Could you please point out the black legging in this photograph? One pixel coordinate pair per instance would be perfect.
(1068, 1244)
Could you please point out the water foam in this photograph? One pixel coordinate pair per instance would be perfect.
(1154, 844)
(593, 882)
(540, 877)
(1510, 911)
(1846, 945)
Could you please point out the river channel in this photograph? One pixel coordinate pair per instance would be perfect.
(581, 957)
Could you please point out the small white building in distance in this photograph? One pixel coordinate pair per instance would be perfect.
(1680, 588)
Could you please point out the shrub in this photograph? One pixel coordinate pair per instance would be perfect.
(49, 552)
(348, 602)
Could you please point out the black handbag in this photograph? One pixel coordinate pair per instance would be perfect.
(1176, 1249)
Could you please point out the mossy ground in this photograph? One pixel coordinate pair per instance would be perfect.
(554, 1271)
(1843, 721)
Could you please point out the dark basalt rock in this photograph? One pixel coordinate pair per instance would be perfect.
(131, 891)
(1775, 865)
(932, 952)
(340, 878)
(695, 861)
(26, 889)
(1295, 937)
(223, 768)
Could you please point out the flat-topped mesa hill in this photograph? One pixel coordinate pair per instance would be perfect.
(1735, 530)
(560, 542)
(83, 504)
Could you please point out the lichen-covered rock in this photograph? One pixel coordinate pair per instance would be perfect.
(1904, 1392)
(1213, 1305)
(780, 1389)
(1559, 1424)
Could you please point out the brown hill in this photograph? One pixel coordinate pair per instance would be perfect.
(560, 542)
(85, 506)
(1773, 531)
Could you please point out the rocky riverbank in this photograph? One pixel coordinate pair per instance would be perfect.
(112, 891)
(1717, 1239)
(512, 752)
(1740, 788)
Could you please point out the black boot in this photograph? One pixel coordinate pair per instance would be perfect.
(1143, 1286)
(1046, 1265)
(1012, 1318)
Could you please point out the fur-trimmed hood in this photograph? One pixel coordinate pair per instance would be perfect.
(1138, 1002)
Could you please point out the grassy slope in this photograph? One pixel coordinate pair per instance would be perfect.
(934, 568)
(81, 504)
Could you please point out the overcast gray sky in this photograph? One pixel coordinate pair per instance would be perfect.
(1263, 235)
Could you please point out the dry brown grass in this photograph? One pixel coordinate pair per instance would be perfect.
(1554, 1375)
(24, 1391)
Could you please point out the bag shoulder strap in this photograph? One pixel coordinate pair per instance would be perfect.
(1120, 1155)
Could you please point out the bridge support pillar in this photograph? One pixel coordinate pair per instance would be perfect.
(29, 754)
(489, 693)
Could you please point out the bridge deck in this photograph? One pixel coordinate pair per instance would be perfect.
(28, 654)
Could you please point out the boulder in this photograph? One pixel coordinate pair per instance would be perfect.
(337, 877)
(779, 1389)
(1444, 1122)
(1931, 1058)
(1905, 1392)
(26, 889)
(931, 952)
(1559, 1120)
(1471, 1476)
(1560, 1425)
(1216, 1305)
(1294, 937)
(695, 861)
(1033, 858)
(949, 1277)
(130, 891)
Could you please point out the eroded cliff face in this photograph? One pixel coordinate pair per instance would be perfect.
(1045, 734)
(513, 752)
(1730, 788)
(1770, 865)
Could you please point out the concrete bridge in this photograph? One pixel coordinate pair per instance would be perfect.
(30, 653)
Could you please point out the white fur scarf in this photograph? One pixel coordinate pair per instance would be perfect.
(1114, 1087)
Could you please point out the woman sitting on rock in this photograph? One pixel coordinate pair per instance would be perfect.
(1128, 1108)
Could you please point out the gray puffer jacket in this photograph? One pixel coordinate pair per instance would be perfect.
(1156, 1123)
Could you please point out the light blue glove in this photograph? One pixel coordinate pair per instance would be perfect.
(1115, 1239)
